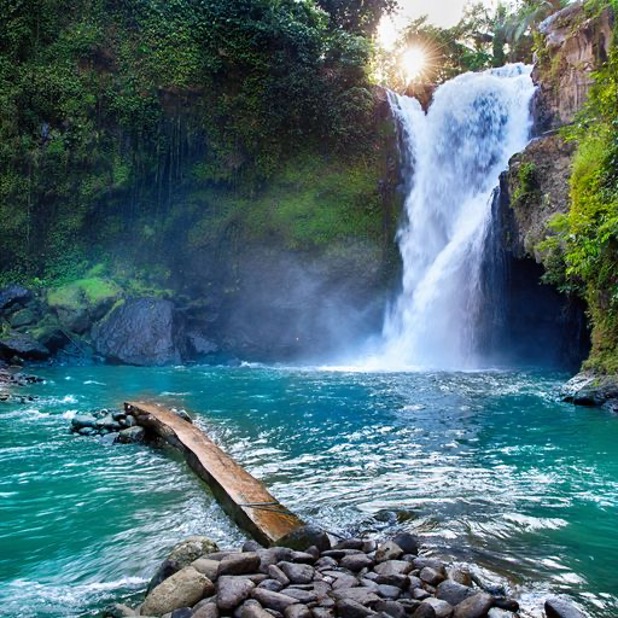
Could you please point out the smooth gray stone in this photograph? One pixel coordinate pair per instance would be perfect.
(302, 596)
(276, 573)
(557, 607)
(349, 608)
(393, 567)
(441, 608)
(272, 600)
(431, 576)
(271, 584)
(356, 562)
(453, 593)
(358, 544)
(297, 611)
(210, 568)
(232, 591)
(364, 596)
(322, 612)
(388, 551)
(408, 542)
(475, 606)
(388, 592)
(424, 611)
(345, 581)
(182, 612)
(297, 573)
(392, 608)
(251, 609)
(207, 610)
(239, 564)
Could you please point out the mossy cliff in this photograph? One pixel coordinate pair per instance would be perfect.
(563, 207)
(232, 156)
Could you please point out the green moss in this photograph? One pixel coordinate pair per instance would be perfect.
(91, 291)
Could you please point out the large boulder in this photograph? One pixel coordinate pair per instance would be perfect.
(183, 589)
(144, 331)
(12, 295)
(22, 346)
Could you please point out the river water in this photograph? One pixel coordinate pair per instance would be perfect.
(487, 467)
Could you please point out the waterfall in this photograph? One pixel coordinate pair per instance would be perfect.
(455, 154)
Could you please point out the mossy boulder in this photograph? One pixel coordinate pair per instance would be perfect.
(81, 303)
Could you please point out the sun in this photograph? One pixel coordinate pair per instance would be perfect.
(413, 62)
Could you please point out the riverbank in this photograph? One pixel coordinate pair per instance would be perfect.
(355, 578)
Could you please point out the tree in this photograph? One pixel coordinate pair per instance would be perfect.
(357, 16)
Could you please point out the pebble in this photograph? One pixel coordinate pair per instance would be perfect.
(342, 582)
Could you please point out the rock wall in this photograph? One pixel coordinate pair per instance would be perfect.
(575, 44)
(542, 323)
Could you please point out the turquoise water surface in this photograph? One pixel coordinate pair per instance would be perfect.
(486, 467)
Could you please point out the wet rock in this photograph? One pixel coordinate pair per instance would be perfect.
(431, 576)
(343, 580)
(361, 595)
(182, 589)
(393, 567)
(388, 551)
(396, 610)
(166, 569)
(271, 584)
(297, 611)
(273, 600)
(556, 607)
(356, 562)
(424, 610)
(251, 609)
(210, 568)
(510, 605)
(192, 548)
(131, 435)
(349, 608)
(452, 592)
(22, 346)
(297, 573)
(276, 573)
(12, 295)
(302, 596)
(117, 610)
(442, 609)
(388, 592)
(232, 591)
(140, 332)
(182, 612)
(83, 420)
(322, 612)
(475, 606)
(357, 544)
(304, 537)
(239, 564)
(325, 563)
(459, 575)
(408, 542)
(206, 610)
(251, 546)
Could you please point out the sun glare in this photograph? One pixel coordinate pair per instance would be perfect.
(413, 63)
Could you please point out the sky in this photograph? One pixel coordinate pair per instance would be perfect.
(443, 13)
(440, 12)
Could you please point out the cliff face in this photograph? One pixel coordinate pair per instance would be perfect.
(536, 186)
(574, 45)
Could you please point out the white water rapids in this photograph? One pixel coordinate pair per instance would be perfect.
(455, 154)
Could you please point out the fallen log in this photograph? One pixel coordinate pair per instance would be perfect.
(242, 496)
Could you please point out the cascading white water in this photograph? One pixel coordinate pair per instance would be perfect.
(456, 152)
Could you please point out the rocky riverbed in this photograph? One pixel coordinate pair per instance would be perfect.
(352, 578)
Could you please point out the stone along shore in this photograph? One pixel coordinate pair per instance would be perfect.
(355, 578)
